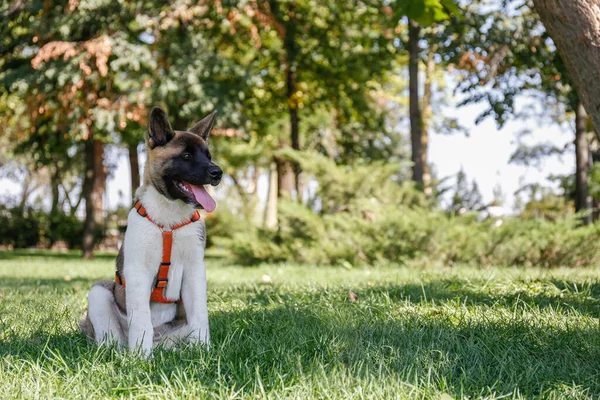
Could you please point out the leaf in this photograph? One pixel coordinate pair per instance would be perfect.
(427, 12)
(452, 8)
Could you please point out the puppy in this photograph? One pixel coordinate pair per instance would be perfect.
(159, 294)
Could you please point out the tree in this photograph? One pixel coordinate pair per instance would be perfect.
(582, 161)
(514, 56)
(416, 118)
(304, 55)
(80, 72)
(422, 13)
(465, 197)
(574, 28)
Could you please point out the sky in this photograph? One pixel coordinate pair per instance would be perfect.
(485, 153)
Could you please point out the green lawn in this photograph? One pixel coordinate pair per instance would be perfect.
(412, 333)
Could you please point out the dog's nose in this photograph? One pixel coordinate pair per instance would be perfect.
(215, 172)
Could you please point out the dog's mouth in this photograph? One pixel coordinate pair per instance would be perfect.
(197, 193)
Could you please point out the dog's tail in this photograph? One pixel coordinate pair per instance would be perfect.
(86, 327)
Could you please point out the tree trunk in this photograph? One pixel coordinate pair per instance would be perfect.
(575, 28)
(253, 200)
(243, 196)
(271, 207)
(99, 183)
(285, 178)
(134, 167)
(292, 97)
(582, 152)
(25, 193)
(300, 184)
(427, 118)
(595, 210)
(416, 121)
(88, 183)
(93, 188)
(73, 207)
(292, 100)
(55, 188)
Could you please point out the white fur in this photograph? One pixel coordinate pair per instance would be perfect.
(142, 257)
(107, 327)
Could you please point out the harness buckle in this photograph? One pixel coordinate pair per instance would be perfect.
(161, 282)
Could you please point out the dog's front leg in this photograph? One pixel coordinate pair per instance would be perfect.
(193, 295)
(137, 291)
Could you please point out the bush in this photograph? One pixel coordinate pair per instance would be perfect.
(223, 225)
(18, 227)
(402, 234)
(67, 228)
(364, 220)
(22, 228)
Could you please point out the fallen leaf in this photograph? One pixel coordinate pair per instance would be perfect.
(352, 296)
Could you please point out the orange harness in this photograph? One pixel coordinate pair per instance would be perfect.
(162, 278)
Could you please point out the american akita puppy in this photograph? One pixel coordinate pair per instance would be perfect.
(153, 302)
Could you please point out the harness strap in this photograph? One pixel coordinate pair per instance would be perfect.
(162, 278)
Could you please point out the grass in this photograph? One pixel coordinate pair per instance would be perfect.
(419, 332)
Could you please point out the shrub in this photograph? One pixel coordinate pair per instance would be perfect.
(28, 228)
(223, 225)
(364, 220)
(19, 227)
(67, 228)
(406, 234)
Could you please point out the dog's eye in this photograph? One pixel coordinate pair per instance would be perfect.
(208, 155)
(186, 156)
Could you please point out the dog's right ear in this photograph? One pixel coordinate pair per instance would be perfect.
(159, 128)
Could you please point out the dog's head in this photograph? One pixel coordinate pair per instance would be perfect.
(179, 162)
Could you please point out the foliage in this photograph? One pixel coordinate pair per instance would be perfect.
(223, 224)
(71, 71)
(548, 205)
(401, 234)
(22, 228)
(463, 197)
(66, 228)
(18, 227)
(361, 216)
(502, 51)
(595, 180)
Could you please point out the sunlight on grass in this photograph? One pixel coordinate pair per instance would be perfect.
(292, 331)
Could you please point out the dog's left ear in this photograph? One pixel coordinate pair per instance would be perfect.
(159, 128)
(203, 127)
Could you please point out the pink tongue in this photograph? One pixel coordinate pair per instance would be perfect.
(203, 198)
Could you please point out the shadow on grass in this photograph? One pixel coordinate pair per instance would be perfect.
(441, 291)
(290, 337)
(564, 297)
(299, 343)
(50, 254)
(51, 284)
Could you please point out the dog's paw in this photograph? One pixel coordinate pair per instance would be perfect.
(199, 336)
(142, 353)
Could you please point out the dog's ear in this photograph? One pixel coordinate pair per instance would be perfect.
(159, 128)
(203, 127)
